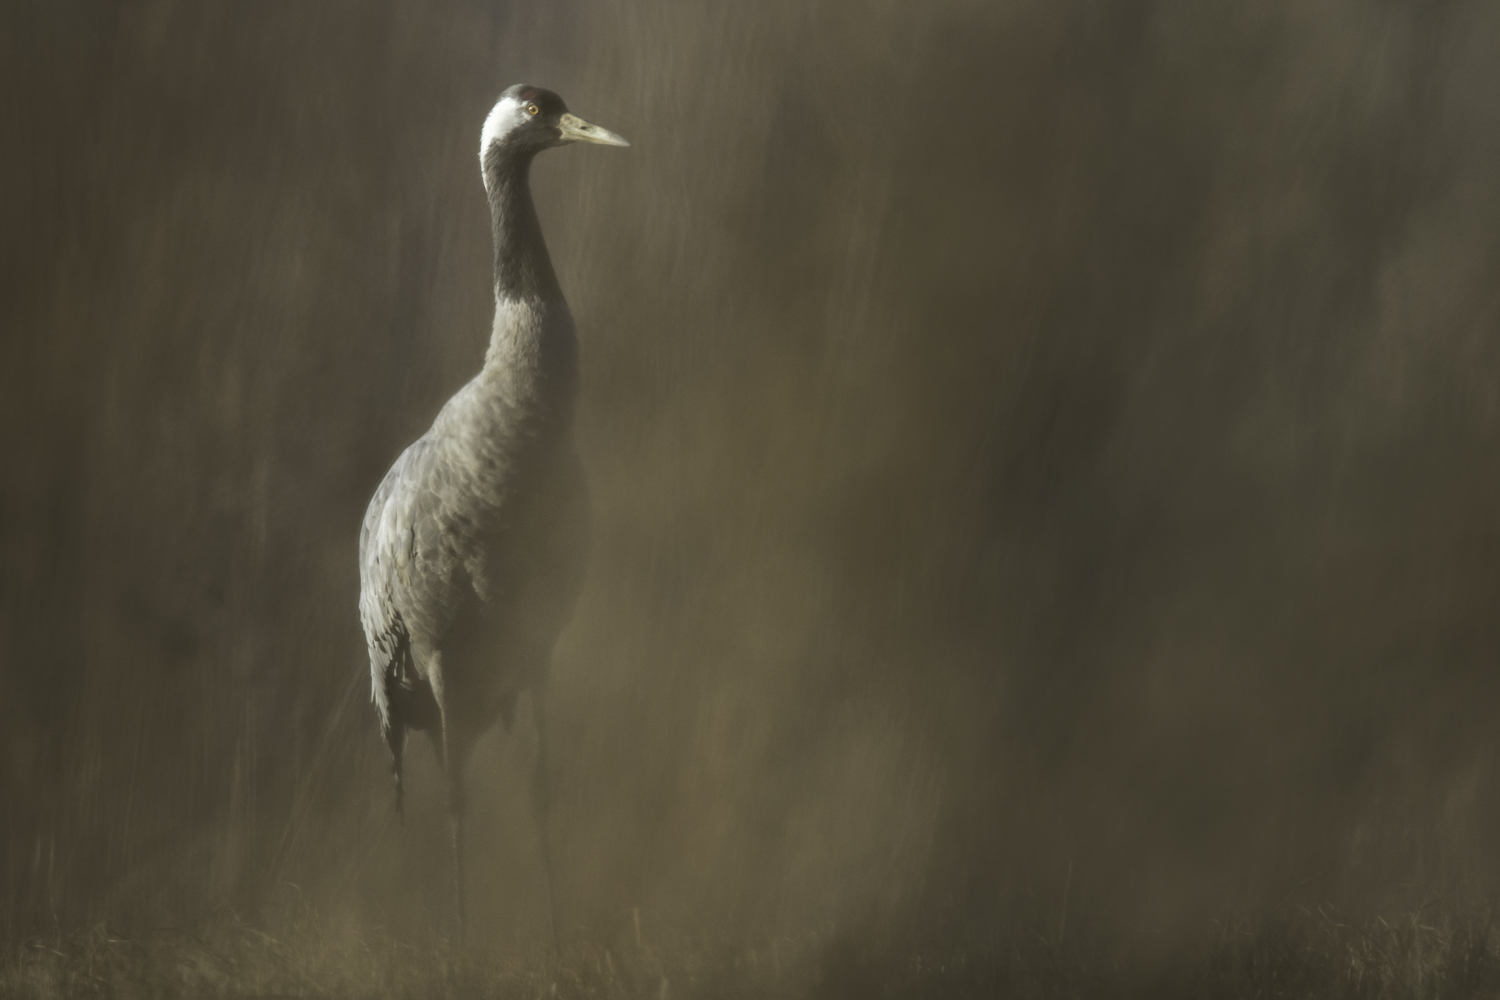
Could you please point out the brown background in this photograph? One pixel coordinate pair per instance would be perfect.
(1038, 449)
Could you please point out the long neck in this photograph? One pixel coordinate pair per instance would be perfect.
(533, 353)
(523, 271)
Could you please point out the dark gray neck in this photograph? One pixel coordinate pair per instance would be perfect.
(523, 270)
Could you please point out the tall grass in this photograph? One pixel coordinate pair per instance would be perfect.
(1436, 951)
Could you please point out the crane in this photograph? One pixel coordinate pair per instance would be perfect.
(473, 547)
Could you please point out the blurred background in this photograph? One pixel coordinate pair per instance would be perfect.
(1043, 456)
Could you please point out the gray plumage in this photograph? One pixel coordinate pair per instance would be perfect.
(474, 546)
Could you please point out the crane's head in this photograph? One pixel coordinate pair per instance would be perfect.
(527, 120)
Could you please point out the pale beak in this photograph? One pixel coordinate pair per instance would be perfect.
(575, 129)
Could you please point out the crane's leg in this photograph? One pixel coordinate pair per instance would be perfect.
(541, 802)
(452, 740)
(395, 738)
(451, 756)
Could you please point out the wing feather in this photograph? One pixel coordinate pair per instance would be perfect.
(386, 553)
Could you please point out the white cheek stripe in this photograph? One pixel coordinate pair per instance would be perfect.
(502, 110)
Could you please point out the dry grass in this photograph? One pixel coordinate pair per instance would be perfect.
(1435, 952)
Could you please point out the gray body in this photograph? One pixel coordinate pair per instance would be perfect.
(474, 546)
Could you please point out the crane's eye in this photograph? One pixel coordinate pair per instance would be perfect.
(532, 109)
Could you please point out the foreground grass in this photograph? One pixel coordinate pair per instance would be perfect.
(1434, 952)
